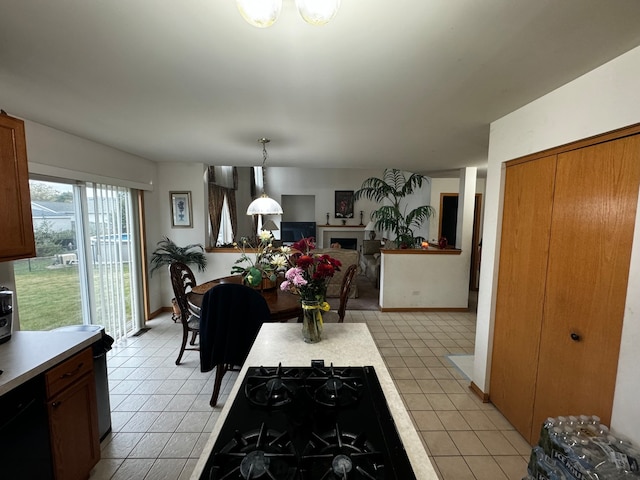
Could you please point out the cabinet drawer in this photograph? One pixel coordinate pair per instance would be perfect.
(63, 375)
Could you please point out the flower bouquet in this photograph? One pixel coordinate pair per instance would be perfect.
(308, 276)
(263, 260)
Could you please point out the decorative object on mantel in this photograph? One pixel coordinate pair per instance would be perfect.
(442, 242)
(308, 277)
(327, 218)
(264, 13)
(264, 262)
(263, 205)
(393, 187)
(344, 222)
(361, 215)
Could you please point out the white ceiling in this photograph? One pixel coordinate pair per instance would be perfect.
(410, 84)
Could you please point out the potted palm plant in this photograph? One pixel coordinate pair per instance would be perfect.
(168, 252)
(394, 187)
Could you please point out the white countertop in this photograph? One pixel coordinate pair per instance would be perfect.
(343, 344)
(28, 354)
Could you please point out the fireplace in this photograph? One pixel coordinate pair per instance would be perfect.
(348, 243)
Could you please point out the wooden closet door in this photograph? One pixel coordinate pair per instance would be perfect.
(526, 222)
(595, 202)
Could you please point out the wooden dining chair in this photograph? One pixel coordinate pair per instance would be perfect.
(182, 281)
(232, 315)
(337, 316)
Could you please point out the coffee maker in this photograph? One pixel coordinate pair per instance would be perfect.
(6, 314)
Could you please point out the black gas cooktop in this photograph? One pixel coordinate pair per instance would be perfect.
(309, 423)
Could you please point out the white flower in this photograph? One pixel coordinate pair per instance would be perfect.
(265, 236)
(279, 260)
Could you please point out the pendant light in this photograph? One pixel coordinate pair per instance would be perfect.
(264, 13)
(263, 205)
(317, 12)
(260, 13)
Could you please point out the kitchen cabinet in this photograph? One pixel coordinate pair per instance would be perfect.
(567, 230)
(73, 417)
(16, 234)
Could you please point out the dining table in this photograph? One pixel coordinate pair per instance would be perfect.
(283, 306)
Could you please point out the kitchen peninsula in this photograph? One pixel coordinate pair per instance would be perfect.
(48, 408)
(346, 344)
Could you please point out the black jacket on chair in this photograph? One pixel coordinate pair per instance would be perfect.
(231, 317)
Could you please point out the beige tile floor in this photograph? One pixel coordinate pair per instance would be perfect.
(161, 416)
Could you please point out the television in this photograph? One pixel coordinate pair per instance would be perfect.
(293, 231)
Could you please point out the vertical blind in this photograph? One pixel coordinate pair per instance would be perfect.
(113, 258)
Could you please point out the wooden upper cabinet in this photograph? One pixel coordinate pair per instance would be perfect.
(16, 226)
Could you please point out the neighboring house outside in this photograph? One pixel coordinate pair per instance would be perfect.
(59, 216)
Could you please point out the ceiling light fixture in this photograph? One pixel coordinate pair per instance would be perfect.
(263, 205)
(264, 13)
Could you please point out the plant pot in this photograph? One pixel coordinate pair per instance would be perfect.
(265, 284)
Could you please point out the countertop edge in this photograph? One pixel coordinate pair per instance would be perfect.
(66, 344)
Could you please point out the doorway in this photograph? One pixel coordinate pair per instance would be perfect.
(447, 227)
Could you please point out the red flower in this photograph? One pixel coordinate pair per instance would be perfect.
(324, 270)
(305, 244)
(304, 261)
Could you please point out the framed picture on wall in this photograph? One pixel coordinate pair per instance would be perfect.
(344, 204)
(181, 210)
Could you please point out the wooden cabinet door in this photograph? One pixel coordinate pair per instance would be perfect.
(528, 202)
(595, 202)
(16, 232)
(73, 424)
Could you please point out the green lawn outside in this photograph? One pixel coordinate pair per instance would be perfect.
(50, 297)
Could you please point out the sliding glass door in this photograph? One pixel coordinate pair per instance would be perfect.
(87, 268)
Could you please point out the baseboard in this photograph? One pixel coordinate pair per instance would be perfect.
(425, 309)
(161, 310)
(475, 389)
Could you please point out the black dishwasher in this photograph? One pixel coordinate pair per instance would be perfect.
(25, 451)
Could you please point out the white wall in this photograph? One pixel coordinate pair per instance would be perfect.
(56, 153)
(322, 183)
(424, 280)
(605, 99)
(174, 177)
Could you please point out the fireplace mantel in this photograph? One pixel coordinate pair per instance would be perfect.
(325, 231)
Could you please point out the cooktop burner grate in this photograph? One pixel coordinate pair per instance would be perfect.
(309, 423)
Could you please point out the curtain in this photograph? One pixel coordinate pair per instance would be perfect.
(223, 183)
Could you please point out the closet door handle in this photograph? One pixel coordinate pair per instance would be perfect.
(575, 337)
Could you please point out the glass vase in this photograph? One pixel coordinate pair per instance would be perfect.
(311, 321)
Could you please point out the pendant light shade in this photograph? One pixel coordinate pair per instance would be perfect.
(264, 205)
(260, 13)
(318, 12)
